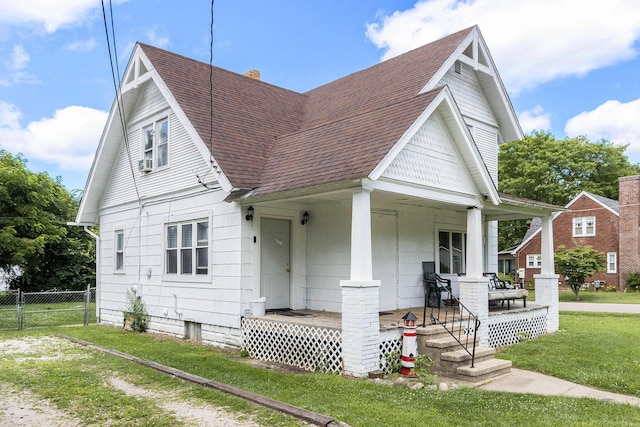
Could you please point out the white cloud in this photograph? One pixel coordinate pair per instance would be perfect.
(15, 65)
(531, 41)
(157, 37)
(81, 45)
(68, 139)
(534, 119)
(19, 59)
(614, 121)
(51, 15)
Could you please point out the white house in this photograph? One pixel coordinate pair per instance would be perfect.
(213, 189)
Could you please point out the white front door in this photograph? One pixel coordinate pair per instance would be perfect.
(275, 262)
(384, 252)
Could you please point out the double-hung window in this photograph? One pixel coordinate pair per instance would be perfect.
(118, 256)
(451, 248)
(612, 265)
(534, 261)
(584, 226)
(156, 143)
(187, 250)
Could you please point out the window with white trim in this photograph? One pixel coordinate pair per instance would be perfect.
(584, 226)
(187, 251)
(612, 264)
(118, 255)
(534, 261)
(156, 143)
(452, 248)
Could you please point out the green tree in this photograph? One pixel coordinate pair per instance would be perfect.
(543, 168)
(34, 236)
(578, 263)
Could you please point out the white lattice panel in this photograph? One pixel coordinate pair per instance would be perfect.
(510, 328)
(389, 347)
(306, 347)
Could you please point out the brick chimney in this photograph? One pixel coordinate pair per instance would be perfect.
(254, 74)
(629, 242)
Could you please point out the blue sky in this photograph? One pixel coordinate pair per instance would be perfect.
(570, 66)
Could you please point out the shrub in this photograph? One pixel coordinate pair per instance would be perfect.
(633, 282)
(135, 313)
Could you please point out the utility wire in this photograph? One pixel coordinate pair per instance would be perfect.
(117, 90)
(210, 142)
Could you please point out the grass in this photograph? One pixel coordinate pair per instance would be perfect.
(357, 402)
(597, 349)
(593, 349)
(594, 297)
(46, 315)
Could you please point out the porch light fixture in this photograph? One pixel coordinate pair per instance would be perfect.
(249, 216)
(305, 218)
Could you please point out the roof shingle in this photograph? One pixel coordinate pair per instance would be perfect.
(272, 139)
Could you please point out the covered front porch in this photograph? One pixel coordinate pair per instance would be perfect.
(312, 340)
(359, 252)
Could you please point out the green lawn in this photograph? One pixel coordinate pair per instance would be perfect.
(596, 297)
(47, 315)
(356, 402)
(597, 349)
(593, 349)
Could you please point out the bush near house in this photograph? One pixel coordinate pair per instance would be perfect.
(633, 282)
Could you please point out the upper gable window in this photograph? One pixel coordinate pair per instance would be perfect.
(155, 145)
(584, 226)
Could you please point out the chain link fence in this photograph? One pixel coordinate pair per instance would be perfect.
(22, 310)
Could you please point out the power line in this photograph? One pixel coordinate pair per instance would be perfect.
(117, 89)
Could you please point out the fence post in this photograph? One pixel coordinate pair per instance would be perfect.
(87, 305)
(19, 311)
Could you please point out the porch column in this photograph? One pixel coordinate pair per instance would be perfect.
(360, 295)
(473, 285)
(546, 282)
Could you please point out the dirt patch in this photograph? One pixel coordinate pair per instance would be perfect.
(189, 412)
(25, 409)
(22, 408)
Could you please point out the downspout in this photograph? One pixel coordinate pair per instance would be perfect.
(98, 287)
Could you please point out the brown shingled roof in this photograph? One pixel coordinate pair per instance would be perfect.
(272, 139)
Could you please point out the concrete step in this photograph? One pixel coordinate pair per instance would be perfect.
(483, 370)
(461, 356)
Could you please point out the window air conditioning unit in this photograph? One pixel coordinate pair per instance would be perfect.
(145, 165)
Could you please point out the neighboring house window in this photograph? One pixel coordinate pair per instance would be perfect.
(584, 226)
(612, 262)
(119, 251)
(156, 143)
(534, 261)
(187, 249)
(452, 252)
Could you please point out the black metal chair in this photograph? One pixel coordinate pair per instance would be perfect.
(434, 285)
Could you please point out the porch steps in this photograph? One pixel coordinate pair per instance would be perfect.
(452, 361)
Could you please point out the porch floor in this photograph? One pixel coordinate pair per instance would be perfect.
(389, 319)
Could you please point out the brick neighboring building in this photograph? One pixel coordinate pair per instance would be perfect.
(610, 226)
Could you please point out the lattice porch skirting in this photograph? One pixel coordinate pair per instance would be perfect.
(510, 328)
(306, 347)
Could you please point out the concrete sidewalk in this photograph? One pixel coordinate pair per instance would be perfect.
(521, 381)
(601, 308)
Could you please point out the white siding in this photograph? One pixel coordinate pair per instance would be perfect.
(185, 160)
(169, 195)
(430, 158)
(210, 300)
(329, 246)
(468, 94)
(487, 142)
(473, 105)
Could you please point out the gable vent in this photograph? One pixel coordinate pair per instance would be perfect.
(457, 67)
